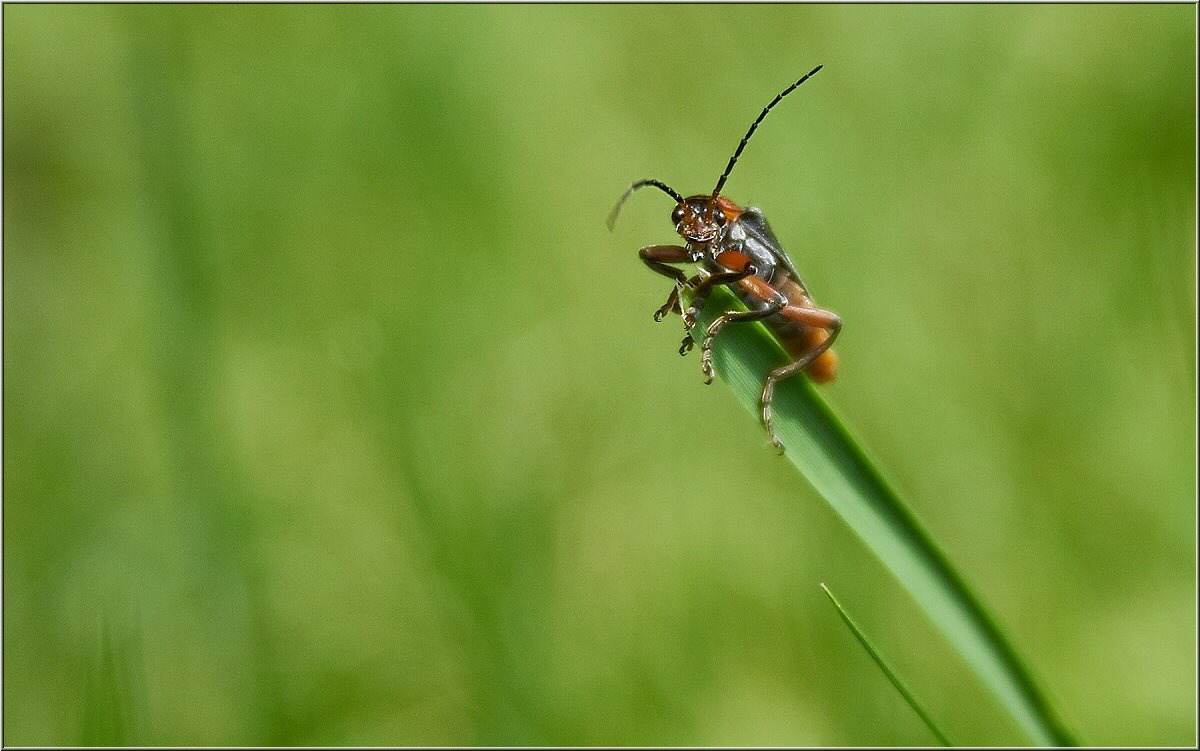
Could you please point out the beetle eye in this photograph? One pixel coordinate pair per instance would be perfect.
(718, 217)
(677, 215)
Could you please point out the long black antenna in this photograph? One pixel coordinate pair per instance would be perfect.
(733, 159)
(612, 217)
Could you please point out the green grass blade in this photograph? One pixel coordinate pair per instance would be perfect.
(837, 466)
(886, 668)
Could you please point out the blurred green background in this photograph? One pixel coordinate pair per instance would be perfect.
(333, 414)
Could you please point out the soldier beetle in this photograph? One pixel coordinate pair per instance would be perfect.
(735, 247)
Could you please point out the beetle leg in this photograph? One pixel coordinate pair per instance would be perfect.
(739, 267)
(775, 302)
(700, 297)
(672, 303)
(657, 257)
(817, 318)
(704, 289)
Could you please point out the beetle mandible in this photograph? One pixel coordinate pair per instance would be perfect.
(735, 247)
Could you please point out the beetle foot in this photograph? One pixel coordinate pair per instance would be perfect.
(671, 305)
(766, 416)
(686, 345)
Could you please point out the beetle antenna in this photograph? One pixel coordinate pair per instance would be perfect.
(612, 217)
(733, 159)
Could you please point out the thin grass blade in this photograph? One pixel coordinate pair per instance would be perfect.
(886, 668)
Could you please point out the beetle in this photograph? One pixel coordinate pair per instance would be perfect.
(735, 247)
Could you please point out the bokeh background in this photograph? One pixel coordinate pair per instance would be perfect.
(334, 414)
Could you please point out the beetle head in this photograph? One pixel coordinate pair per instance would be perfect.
(700, 219)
